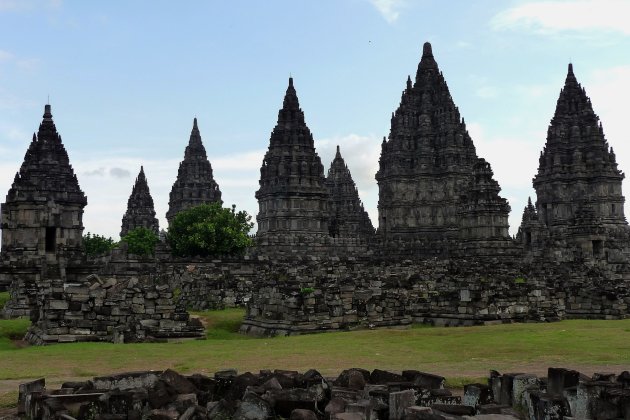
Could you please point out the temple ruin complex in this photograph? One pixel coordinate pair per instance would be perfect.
(441, 252)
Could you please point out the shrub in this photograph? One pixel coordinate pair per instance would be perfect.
(97, 244)
(140, 241)
(209, 229)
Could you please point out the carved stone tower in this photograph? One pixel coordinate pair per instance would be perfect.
(348, 218)
(292, 197)
(43, 211)
(195, 184)
(140, 211)
(578, 184)
(426, 165)
(484, 213)
(42, 220)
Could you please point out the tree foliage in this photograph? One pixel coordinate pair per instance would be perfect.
(140, 241)
(209, 229)
(97, 244)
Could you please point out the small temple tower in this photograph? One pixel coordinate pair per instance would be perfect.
(41, 219)
(292, 197)
(195, 183)
(483, 213)
(426, 167)
(43, 211)
(578, 185)
(140, 211)
(348, 218)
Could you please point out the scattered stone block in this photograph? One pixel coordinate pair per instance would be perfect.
(399, 401)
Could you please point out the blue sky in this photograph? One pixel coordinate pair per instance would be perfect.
(126, 79)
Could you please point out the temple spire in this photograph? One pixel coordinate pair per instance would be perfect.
(140, 210)
(291, 101)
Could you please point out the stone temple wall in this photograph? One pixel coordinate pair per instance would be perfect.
(302, 295)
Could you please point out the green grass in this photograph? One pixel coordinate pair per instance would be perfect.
(8, 399)
(463, 355)
(4, 297)
(10, 331)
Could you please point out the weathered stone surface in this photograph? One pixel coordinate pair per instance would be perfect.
(140, 211)
(292, 196)
(348, 218)
(399, 401)
(195, 183)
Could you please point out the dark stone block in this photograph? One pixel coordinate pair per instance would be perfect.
(342, 379)
(560, 378)
(177, 384)
(379, 376)
(455, 409)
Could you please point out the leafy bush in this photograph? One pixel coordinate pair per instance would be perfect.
(140, 241)
(209, 229)
(97, 244)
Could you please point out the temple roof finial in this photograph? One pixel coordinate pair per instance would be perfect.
(195, 124)
(338, 155)
(426, 50)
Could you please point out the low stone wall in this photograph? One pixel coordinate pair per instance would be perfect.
(332, 295)
(356, 394)
(108, 309)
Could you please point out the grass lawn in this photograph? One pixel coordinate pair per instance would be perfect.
(457, 353)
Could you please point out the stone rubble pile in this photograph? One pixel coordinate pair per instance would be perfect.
(108, 310)
(356, 394)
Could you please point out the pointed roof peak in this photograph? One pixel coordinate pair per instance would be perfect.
(290, 98)
(195, 124)
(142, 169)
(571, 79)
(338, 154)
(426, 50)
(427, 62)
(47, 113)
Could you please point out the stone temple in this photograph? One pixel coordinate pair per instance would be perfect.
(441, 253)
(140, 211)
(195, 183)
(434, 191)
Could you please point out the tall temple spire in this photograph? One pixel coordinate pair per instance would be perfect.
(195, 183)
(427, 164)
(46, 185)
(140, 211)
(577, 172)
(292, 195)
(348, 218)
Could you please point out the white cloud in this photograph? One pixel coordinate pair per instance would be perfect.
(389, 9)
(555, 16)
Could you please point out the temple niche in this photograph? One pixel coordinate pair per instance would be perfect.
(195, 184)
(292, 197)
(429, 174)
(348, 218)
(140, 211)
(580, 207)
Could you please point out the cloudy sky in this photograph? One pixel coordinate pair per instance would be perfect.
(126, 79)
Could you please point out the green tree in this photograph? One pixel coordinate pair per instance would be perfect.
(209, 229)
(97, 244)
(140, 241)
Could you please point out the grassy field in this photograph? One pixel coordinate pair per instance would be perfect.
(458, 353)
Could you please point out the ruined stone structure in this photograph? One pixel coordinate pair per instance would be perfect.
(140, 211)
(195, 183)
(442, 253)
(427, 169)
(579, 209)
(43, 211)
(348, 218)
(353, 393)
(42, 217)
(292, 197)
